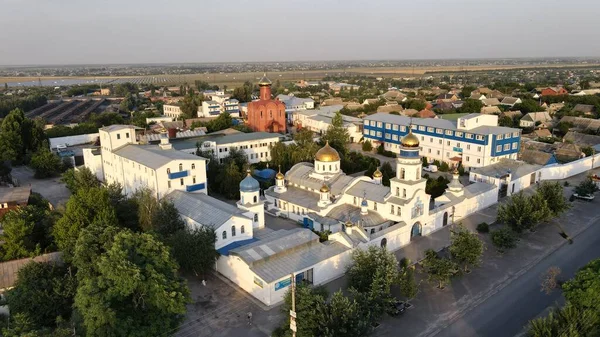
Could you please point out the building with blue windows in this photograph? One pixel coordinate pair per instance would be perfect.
(474, 140)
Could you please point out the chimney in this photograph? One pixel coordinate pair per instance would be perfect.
(164, 142)
(349, 226)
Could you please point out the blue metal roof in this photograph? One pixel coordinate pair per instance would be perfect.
(225, 250)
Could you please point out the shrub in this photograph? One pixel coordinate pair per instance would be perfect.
(566, 183)
(424, 161)
(383, 152)
(444, 167)
(483, 227)
(461, 170)
(504, 238)
(367, 146)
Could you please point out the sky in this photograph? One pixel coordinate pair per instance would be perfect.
(182, 31)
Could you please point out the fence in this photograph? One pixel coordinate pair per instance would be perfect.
(73, 140)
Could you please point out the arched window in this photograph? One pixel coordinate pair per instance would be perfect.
(329, 167)
(383, 243)
(168, 171)
(242, 230)
(232, 231)
(180, 167)
(418, 174)
(402, 173)
(399, 211)
(372, 230)
(375, 206)
(397, 191)
(255, 217)
(392, 209)
(271, 114)
(261, 114)
(224, 235)
(404, 192)
(193, 166)
(255, 199)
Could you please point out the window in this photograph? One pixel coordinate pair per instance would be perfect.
(367, 122)
(431, 139)
(224, 235)
(126, 134)
(516, 134)
(403, 128)
(118, 136)
(193, 166)
(478, 161)
(458, 144)
(180, 167)
(458, 134)
(242, 229)
(168, 184)
(430, 129)
(506, 147)
(467, 158)
(499, 137)
(379, 124)
(448, 143)
(397, 191)
(395, 127)
(181, 181)
(232, 231)
(421, 128)
(392, 209)
(468, 146)
(404, 192)
(440, 131)
(399, 211)
(388, 126)
(193, 179)
(355, 200)
(375, 206)
(514, 146)
(422, 138)
(388, 136)
(438, 152)
(402, 173)
(449, 132)
(255, 199)
(373, 133)
(378, 133)
(394, 137)
(499, 148)
(479, 137)
(507, 136)
(479, 149)
(429, 150)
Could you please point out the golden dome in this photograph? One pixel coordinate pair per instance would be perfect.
(264, 81)
(410, 140)
(377, 174)
(327, 154)
(324, 189)
(279, 175)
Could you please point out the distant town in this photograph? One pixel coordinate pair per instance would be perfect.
(338, 198)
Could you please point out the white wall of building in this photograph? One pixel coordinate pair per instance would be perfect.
(562, 171)
(173, 111)
(236, 221)
(73, 140)
(92, 159)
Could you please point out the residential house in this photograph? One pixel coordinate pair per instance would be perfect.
(447, 97)
(512, 114)
(333, 101)
(476, 96)
(566, 152)
(511, 101)
(586, 109)
(370, 101)
(536, 119)
(581, 139)
(554, 91)
(394, 95)
(337, 87)
(490, 102)
(490, 110)
(390, 108)
(13, 197)
(582, 124)
(481, 91)
(536, 157)
(540, 133)
(554, 107)
(496, 94)
(587, 92)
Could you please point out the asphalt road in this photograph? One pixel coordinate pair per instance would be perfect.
(508, 311)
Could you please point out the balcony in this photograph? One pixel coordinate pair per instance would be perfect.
(178, 175)
(196, 187)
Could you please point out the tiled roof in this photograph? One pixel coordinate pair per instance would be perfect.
(516, 168)
(582, 139)
(346, 212)
(9, 269)
(14, 194)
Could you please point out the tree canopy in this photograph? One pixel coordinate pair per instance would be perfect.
(194, 249)
(466, 247)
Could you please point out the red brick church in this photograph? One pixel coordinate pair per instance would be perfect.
(266, 114)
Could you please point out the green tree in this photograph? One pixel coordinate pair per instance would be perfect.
(83, 208)
(470, 106)
(133, 289)
(194, 249)
(127, 104)
(46, 164)
(166, 220)
(148, 205)
(231, 177)
(12, 146)
(583, 290)
(523, 212)
(343, 317)
(305, 148)
(42, 292)
(552, 192)
(586, 187)
(189, 105)
(387, 173)
(366, 146)
(528, 105)
(416, 104)
(337, 134)
(17, 236)
(81, 178)
(310, 306)
(504, 238)
(506, 121)
(438, 270)
(466, 248)
(406, 280)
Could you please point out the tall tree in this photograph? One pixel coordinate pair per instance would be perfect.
(583, 290)
(523, 212)
(310, 306)
(337, 134)
(83, 208)
(82, 178)
(406, 280)
(552, 192)
(194, 249)
(466, 247)
(46, 164)
(343, 317)
(43, 292)
(12, 146)
(438, 269)
(189, 105)
(135, 290)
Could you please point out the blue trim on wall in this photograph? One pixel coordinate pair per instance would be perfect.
(177, 175)
(225, 250)
(197, 187)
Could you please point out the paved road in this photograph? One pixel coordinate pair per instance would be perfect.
(509, 310)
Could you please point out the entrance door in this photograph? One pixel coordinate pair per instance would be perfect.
(416, 230)
(502, 190)
(445, 222)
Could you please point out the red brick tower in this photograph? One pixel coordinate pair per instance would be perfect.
(266, 114)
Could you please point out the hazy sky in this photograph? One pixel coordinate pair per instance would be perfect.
(140, 31)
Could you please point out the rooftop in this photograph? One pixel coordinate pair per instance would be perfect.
(204, 209)
(221, 139)
(14, 194)
(517, 169)
(153, 156)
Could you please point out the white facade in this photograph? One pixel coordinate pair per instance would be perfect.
(160, 168)
(256, 145)
(173, 111)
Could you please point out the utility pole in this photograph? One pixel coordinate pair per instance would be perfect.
(293, 326)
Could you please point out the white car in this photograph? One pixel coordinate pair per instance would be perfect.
(430, 168)
(588, 197)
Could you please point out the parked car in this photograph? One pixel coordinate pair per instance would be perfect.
(397, 308)
(588, 197)
(430, 168)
